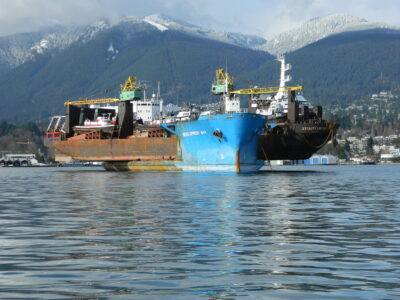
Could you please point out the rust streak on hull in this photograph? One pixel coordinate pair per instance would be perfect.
(237, 161)
(134, 149)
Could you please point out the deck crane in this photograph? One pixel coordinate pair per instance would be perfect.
(129, 91)
(27, 142)
(223, 83)
(91, 101)
(267, 90)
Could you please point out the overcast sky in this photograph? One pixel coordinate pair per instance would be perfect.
(259, 17)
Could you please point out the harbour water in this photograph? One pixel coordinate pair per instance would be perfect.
(329, 232)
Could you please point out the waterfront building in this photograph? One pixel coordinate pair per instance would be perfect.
(318, 159)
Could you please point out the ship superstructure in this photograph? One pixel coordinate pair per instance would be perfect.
(145, 109)
(223, 86)
(273, 102)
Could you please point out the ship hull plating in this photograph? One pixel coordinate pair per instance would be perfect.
(226, 142)
(118, 150)
(295, 141)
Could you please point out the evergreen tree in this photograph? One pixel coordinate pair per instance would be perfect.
(370, 146)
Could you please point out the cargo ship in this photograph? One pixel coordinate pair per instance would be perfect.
(296, 129)
(297, 137)
(226, 140)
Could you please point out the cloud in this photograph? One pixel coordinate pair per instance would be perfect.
(286, 14)
(261, 17)
(29, 15)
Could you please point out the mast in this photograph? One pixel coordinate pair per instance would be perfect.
(226, 84)
(283, 78)
(161, 102)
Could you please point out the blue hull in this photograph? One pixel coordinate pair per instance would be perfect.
(226, 142)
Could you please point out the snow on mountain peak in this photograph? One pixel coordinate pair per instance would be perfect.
(170, 22)
(163, 23)
(40, 47)
(65, 37)
(17, 51)
(151, 21)
(316, 29)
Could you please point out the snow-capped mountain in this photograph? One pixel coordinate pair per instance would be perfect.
(61, 40)
(317, 29)
(19, 48)
(162, 23)
(16, 49)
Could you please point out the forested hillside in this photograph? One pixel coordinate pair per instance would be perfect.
(27, 138)
(343, 68)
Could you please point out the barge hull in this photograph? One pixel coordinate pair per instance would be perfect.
(294, 141)
(112, 150)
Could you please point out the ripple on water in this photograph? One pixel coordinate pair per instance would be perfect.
(332, 233)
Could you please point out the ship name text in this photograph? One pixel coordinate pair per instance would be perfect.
(191, 133)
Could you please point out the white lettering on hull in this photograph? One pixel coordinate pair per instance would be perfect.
(191, 133)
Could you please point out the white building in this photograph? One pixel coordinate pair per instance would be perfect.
(388, 157)
(318, 159)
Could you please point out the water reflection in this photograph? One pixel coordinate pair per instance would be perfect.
(323, 234)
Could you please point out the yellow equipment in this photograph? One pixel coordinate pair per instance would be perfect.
(267, 90)
(221, 76)
(130, 84)
(223, 83)
(91, 101)
(24, 143)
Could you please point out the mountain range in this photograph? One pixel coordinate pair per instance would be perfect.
(337, 58)
(20, 48)
(317, 29)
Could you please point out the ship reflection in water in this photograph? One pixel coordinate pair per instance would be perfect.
(326, 234)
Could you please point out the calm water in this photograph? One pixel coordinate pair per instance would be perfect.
(323, 233)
